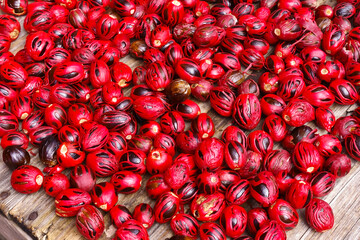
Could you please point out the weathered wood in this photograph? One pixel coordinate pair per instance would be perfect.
(10, 230)
(36, 212)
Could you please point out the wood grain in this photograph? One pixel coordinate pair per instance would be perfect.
(36, 212)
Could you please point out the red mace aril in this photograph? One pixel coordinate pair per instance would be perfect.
(15, 138)
(325, 118)
(160, 36)
(131, 229)
(328, 145)
(187, 192)
(22, 106)
(238, 192)
(268, 83)
(81, 176)
(210, 158)
(319, 215)
(207, 207)
(62, 94)
(188, 109)
(259, 141)
(221, 100)
(208, 36)
(184, 225)
(247, 111)
(234, 219)
(144, 214)
(99, 74)
(55, 116)
(345, 126)
(34, 120)
(331, 70)
(133, 160)
(318, 95)
(272, 104)
(307, 158)
(203, 125)
(54, 184)
(291, 87)
(284, 213)
(288, 30)
(103, 196)
(284, 180)
(158, 161)
(102, 162)
(187, 142)
(115, 120)
(249, 86)
(208, 230)
(26, 179)
(275, 126)
(298, 112)
(173, 12)
(322, 183)
(10, 26)
(69, 72)
(166, 206)
(13, 74)
(277, 161)
(149, 108)
(158, 76)
(126, 182)
(264, 188)
(257, 217)
(90, 222)
(111, 93)
(78, 113)
(252, 165)
(93, 136)
(299, 194)
(139, 142)
(177, 175)
(235, 155)
(69, 201)
(119, 214)
(38, 45)
(344, 92)
(338, 164)
(69, 154)
(270, 229)
(333, 40)
(208, 182)
(156, 186)
(201, 90)
(121, 74)
(38, 135)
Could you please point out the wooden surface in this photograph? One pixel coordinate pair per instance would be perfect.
(35, 213)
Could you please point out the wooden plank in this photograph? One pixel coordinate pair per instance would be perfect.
(10, 230)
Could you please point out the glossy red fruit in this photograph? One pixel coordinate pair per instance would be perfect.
(38, 135)
(54, 184)
(259, 141)
(126, 182)
(338, 164)
(90, 222)
(177, 175)
(208, 182)
(299, 194)
(187, 192)
(221, 100)
(319, 215)
(121, 74)
(277, 160)
(207, 207)
(235, 155)
(104, 196)
(27, 179)
(81, 176)
(69, 201)
(158, 161)
(144, 214)
(322, 183)
(275, 126)
(69, 154)
(238, 192)
(298, 112)
(188, 70)
(119, 214)
(13, 74)
(15, 138)
(344, 92)
(156, 186)
(166, 206)
(328, 145)
(55, 116)
(307, 158)
(252, 165)
(99, 74)
(149, 108)
(257, 217)
(133, 160)
(102, 162)
(264, 188)
(188, 109)
(325, 118)
(211, 230)
(247, 111)
(270, 229)
(33, 121)
(22, 106)
(333, 40)
(233, 133)
(268, 83)
(62, 94)
(284, 213)
(203, 125)
(93, 136)
(187, 142)
(233, 219)
(184, 225)
(209, 158)
(131, 229)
